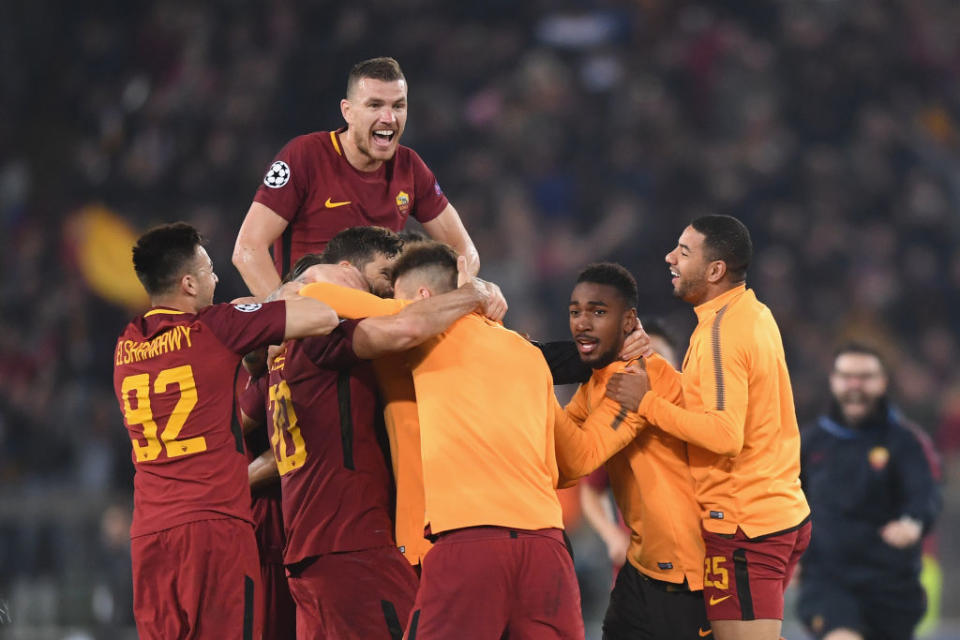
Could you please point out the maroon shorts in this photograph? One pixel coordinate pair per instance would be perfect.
(197, 580)
(744, 578)
(487, 582)
(279, 611)
(356, 594)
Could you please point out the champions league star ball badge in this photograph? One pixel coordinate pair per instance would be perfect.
(278, 175)
(248, 307)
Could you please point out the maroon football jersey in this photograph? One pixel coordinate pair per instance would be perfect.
(174, 378)
(324, 421)
(266, 503)
(313, 186)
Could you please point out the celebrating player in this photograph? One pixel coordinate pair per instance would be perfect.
(738, 418)
(195, 569)
(658, 593)
(321, 183)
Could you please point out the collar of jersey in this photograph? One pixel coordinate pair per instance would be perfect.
(710, 307)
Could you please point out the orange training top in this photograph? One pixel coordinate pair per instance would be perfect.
(488, 415)
(399, 412)
(738, 418)
(653, 487)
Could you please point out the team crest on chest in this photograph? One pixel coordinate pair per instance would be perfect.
(403, 202)
(878, 457)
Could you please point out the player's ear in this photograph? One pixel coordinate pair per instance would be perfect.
(345, 109)
(423, 293)
(716, 271)
(630, 321)
(188, 284)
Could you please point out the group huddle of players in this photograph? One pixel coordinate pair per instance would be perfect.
(404, 449)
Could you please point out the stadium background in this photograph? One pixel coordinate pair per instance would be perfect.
(562, 131)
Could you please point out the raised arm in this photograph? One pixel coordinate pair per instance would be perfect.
(251, 253)
(416, 323)
(448, 228)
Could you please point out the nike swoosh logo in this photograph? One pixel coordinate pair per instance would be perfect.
(704, 634)
(714, 600)
(330, 205)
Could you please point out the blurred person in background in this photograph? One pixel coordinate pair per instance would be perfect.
(737, 416)
(871, 477)
(321, 183)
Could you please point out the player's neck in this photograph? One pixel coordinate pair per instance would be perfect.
(357, 159)
(715, 290)
(180, 303)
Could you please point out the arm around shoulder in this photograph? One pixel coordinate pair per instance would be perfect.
(448, 228)
(308, 317)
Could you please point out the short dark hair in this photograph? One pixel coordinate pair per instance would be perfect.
(382, 68)
(434, 256)
(860, 348)
(410, 236)
(305, 262)
(614, 275)
(360, 245)
(162, 254)
(726, 239)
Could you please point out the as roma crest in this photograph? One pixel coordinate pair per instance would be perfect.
(878, 457)
(403, 202)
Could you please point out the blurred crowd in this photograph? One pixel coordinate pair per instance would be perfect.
(563, 132)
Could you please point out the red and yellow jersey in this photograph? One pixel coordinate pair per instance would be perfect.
(653, 488)
(174, 377)
(738, 418)
(399, 412)
(324, 423)
(266, 504)
(311, 184)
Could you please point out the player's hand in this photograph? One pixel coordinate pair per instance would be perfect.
(273, 351)
(637, 345)
(628, 389)
(345, 275)
(902, 533)
(286, 291)
(492, 302)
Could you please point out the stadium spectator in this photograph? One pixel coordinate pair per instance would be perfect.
(362, 171)
(737, 416)
(195, 560)
(871, 477)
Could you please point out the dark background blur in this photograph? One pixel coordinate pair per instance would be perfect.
(564, 132)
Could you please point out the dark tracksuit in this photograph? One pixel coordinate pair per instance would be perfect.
(856, 481)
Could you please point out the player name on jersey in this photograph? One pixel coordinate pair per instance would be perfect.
(176, 338)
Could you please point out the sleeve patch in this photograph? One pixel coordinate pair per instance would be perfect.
(248, 307)
(277, 175)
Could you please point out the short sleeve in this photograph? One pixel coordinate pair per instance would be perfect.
(334, 350)
(241, 328)
(429, 200)
(286, 182)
